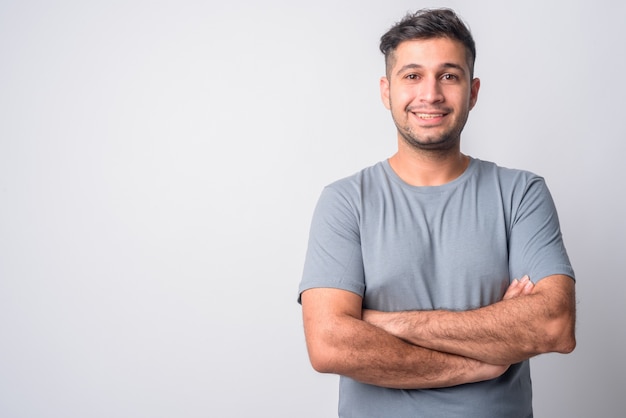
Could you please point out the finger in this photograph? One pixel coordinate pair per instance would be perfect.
(528, 285)
(514, 290)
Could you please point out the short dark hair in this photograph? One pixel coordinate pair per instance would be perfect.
(428, 24)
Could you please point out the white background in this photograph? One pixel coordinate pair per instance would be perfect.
(159, 165)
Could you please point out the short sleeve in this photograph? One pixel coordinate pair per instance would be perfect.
(536, 245)
(334, 258)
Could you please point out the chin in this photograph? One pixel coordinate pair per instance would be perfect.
(431, 144)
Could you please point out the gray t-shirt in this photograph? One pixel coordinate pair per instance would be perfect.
(455, 246)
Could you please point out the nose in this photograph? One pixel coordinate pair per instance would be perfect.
(430, 91)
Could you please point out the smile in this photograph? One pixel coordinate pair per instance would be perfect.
(429, 115)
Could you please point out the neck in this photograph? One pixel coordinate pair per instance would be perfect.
(428, 168)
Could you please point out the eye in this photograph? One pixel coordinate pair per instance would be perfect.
(449, 77)
(411, 77)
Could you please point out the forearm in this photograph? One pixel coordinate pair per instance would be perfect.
(506, 332)
(348, 346)
(475, 334)
(370, 355)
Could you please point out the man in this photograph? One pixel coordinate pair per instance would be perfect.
(432, 277)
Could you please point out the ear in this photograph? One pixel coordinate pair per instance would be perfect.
(474, 92)
(384, 92)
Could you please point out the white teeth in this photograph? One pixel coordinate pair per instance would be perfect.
(429, 116)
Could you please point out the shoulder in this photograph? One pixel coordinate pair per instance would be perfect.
(509, 180)
(488, 168)
(344, 198)
(522, 192)
(353, 186)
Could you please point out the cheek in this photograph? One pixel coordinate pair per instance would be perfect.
(401, 98)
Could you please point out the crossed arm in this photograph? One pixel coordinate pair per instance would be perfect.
(428, 349)
(522, 325)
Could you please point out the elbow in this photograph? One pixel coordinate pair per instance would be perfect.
(320, 364)
(559, 322)
(561, 343)
(567, 344)
(567, 336)
(321, 360)
(318, 361)
(560, 336)
(321, 349)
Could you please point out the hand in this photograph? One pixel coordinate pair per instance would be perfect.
(486, 371)
(519, 288)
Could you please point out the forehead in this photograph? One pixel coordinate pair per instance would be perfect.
(430, 53)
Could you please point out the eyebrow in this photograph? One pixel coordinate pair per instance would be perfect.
(443, 66)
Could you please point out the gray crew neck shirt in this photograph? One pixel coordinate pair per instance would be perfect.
(455, 247)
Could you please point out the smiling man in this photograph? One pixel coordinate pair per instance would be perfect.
(432, 92)
(432, 277)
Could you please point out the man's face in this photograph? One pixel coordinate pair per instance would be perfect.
(429, 92)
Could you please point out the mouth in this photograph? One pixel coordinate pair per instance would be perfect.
(429, 116)
(429, 119)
